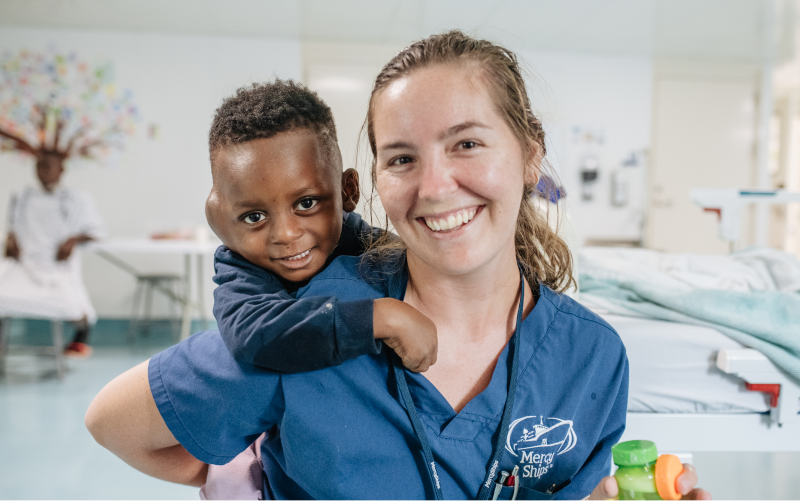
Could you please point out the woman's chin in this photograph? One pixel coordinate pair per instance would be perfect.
(453, 261)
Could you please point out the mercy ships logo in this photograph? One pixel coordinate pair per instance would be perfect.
(538, 440)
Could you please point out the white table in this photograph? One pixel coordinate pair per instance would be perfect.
(109, 249)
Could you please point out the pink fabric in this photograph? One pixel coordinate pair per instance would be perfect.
(239, 479)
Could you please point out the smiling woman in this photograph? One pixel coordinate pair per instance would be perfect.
(470, 131)
(529, 391)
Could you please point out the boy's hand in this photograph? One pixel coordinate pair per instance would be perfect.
(408, 332)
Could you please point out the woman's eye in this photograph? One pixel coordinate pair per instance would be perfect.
(468, 145)
(401, 161)
(255, 217)
(307, 204)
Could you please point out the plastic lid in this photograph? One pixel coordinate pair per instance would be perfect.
(668, 468)
(634, 453)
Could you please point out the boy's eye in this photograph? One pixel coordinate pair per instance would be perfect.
(307, 204)
(254, 217)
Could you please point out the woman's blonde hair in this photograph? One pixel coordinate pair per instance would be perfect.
(543, 254)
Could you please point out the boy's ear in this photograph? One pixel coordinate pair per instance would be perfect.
(350, 190)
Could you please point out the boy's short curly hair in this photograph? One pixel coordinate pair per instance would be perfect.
(263, 110)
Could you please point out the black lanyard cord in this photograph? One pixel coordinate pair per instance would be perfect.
(416, 423)
(402, 384)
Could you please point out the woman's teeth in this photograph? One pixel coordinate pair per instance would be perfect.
(299, 256)
(452, 221)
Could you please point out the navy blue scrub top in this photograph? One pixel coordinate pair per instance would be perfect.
(343, 433)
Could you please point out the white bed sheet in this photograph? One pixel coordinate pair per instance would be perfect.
(673, 370)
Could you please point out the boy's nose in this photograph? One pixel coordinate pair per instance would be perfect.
(286, 230)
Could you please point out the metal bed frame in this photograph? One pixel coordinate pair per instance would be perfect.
(777, 431)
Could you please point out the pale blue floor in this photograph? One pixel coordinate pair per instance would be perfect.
(46, 452)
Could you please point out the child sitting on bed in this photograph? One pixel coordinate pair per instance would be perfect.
(282, 207)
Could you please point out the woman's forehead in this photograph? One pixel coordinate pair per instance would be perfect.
(431, 101)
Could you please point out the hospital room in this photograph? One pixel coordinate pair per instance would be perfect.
(176, 173)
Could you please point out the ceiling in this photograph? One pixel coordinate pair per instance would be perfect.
(730, 30)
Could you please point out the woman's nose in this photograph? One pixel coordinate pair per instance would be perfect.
(286, 229)
(437, 180)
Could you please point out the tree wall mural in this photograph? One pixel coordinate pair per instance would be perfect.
(55, 107)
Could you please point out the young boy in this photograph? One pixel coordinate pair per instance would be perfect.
(283, 209)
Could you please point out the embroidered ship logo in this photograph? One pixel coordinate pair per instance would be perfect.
(539, 443)
(555, 436)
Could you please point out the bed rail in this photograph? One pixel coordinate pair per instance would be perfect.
(760, 374)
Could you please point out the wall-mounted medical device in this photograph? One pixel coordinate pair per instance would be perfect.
(728, 204)
(620, 188)
(589, 172)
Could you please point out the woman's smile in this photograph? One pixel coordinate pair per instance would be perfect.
(452, 220)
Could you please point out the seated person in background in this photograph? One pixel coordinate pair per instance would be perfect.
(282, 207)
(41, 275)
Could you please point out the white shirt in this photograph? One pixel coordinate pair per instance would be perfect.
(37, 285)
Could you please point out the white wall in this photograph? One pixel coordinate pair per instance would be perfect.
(608, 95)
(160, 184)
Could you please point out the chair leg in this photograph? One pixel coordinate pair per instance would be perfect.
(5, 333)
(175, 311)
(137, 300)
(57, 327)
(148, 306)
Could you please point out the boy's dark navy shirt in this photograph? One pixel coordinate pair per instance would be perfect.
(263, 324)
(343, 432)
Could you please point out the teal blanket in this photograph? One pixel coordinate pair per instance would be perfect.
(766, 321)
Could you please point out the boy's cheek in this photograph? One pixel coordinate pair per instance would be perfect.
(327, 226)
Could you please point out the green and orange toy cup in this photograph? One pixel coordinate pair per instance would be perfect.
(642, 473)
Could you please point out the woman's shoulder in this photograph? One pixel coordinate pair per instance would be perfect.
(579, 319)
(568, 306)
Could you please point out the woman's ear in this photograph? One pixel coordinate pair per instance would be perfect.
(350, 190)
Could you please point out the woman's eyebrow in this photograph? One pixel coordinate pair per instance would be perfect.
(461, 127)
(401, 145)
(397, 145)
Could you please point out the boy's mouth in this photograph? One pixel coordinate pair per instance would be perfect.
(298, 260)
(452, 221)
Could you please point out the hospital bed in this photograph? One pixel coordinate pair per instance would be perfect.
(693, 389)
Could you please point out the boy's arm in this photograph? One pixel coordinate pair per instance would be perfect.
(263, 325)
